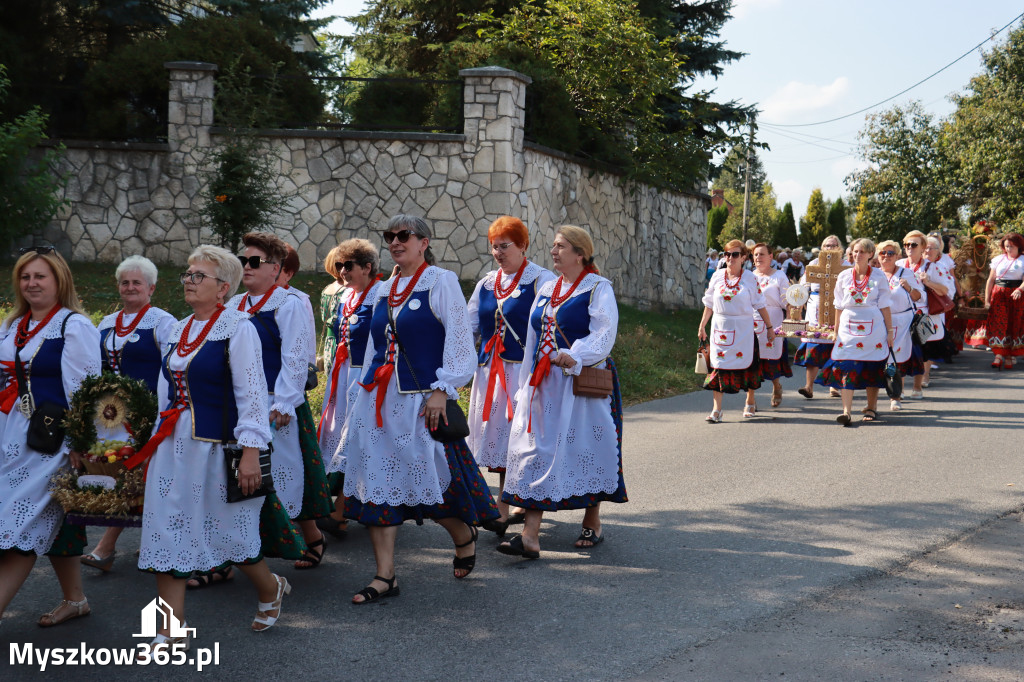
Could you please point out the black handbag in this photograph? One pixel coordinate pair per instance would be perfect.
(46, 429)
(457, 427)
(893, 378)
(233, 452)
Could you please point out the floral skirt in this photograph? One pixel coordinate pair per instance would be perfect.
(813, 354)
(467, 497)
(776, 369)
(736, 380)
(1005, 323)
(852, 374)
(914, 365)
(70, 541)
(941, 350)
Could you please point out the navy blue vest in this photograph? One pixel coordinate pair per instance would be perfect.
(270, 338)
(44, 375)
(517, 314)
(206, 375)
(138, 359)
(572, 321)
(358, 333)
(422, 336)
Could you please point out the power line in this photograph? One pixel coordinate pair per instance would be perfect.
(813, 144)
(902, 92)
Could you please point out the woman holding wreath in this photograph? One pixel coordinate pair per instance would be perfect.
(565, 450)
(864, 333)
(731, 300)
(1004, 294)
(419, 352)
(499, 311)
(906, 291)
(48, 347)
(132, 343)
(358, 268)
(209, 395)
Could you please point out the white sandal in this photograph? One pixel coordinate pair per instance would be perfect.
(895, 406)
(749, 410)
(714, 417)
(262, 617)
(171, 643)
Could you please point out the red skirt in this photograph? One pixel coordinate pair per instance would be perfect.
(1005, 323)
(736, 380)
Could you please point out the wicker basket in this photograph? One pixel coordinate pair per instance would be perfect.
(114, 470)
(790, 326)
(965, 312)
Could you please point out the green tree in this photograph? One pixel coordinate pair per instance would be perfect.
(29, 190)
(785, 233)
(814, 223)
(984, 136)
(837, 219)
(906, 182)
(716, 221)
(762, 216)
(733, 170)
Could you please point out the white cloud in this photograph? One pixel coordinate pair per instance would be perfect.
(791, 191)
(742, 8)
(843, 167)
(795, 97)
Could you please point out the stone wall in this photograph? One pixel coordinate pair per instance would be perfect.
(128, 199)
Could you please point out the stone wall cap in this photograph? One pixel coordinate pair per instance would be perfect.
(492, 71)
(191, 66)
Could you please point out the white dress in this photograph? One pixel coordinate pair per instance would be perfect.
(29, 518)
(399, 463)
(901, 308)
(773, 287)
(298, 348)
(733, 301)
(187, 523)
(563, 446)
(488, 440)
(861, 335)
(336, 406)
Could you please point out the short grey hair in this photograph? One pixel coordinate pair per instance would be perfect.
(225, 264)
(139, 263)
(935, 241)
(418, 226)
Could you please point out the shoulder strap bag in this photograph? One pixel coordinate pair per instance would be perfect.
(233, 451)
(45, 421)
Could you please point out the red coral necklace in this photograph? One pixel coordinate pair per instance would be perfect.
(123, 331)
(185, 347)
(24, 335)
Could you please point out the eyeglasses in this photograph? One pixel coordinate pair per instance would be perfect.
(911, 245)
(502, 246)
(347, 265)
(41, 250)
(254, 262)
(196, 277)
(886, 253)
(733, 254)
(402, 236)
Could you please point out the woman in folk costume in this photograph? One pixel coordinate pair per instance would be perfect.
(48, 347)
(1004, 295)
(812, 355)
(565, 451)
(358, 265)
(419, 353)
(915, 245)
(937, 281)
(499, 311)
(864, 333)
(774, 354)
(209, 396)
(132, 343)
(906, 290)
(286, 332)
(329, 302)
(731, 300)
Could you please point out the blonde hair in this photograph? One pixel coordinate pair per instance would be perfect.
(225, 264)
(864, 243)
(581, 244)
(890, 242)
(66, 294)
(329, 260)
(915, 234)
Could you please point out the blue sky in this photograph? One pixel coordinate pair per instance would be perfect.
(814, 60)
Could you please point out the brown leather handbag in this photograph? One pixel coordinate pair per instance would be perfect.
(592, 382)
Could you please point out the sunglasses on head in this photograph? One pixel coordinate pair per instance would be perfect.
(347, 265)
(886, 253)
(41, 250)
(254, 261)
(911, 245)
(733, 254)
(402, 236)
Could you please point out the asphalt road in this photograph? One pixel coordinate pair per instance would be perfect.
(729, 529)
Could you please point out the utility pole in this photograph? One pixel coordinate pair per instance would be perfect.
(746, 184)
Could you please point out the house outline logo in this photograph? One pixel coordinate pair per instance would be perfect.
(158, 608)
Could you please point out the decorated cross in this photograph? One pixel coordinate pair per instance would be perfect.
(825, 273)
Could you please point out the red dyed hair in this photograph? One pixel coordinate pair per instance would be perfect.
(510, 228)
(1014, 239)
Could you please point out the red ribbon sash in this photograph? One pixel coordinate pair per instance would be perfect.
(496, 347)
(340, 356)
(380, 381)
(168, 419)
(539, 374)
(9, 395)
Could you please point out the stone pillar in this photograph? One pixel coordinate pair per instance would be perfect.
(494, 110)
(189, 118)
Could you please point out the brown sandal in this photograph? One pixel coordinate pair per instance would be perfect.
(72, 609)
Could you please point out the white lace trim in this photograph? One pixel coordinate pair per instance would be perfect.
(531, 273)
(52, 330)
(153, 318)
(275, 301)
(588, 283)
(223, 328)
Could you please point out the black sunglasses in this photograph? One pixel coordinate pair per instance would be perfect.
(347, 265)
(41, 250)
(254, 261)
(911, 245)
(886, 253)
(402, 236)
(733, 254)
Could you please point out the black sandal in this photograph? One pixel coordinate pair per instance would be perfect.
(518, 517)
(869, 415)
(515, 547)
(588, 535)
(496, 526)
(339, 529)
(844, 419)
(466, 563)
(370, 594)
(311, 556)
(205, 579)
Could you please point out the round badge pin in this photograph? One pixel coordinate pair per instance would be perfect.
(516, 293)
(133, 338)
(352, 319)
(414, 304)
